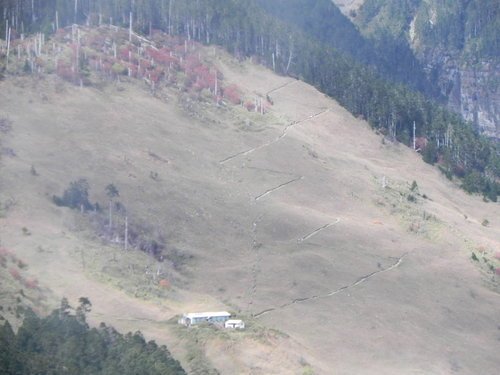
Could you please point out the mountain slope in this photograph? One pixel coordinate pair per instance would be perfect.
(457, 43)
(246, 30)
(301, 219)
(324, 22)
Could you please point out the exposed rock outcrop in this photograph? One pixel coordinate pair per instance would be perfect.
(471, 89)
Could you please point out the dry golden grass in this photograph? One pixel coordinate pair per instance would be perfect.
(282, 216)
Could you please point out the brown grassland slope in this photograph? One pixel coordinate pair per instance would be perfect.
(301, 219)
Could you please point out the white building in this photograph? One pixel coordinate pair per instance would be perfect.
(234, 324)
(211, 317)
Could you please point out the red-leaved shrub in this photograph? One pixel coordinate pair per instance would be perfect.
(164, 283)
(233, 94)
(31, 283)
(15, 273)
(250, 106)
(4, 251)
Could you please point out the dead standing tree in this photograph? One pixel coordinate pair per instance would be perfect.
(111, 192)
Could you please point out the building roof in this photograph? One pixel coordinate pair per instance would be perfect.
(234, 321)
(207, 314)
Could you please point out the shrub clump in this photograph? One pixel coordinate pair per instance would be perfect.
(75, 196)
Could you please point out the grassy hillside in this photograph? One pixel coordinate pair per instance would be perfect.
(301, 219)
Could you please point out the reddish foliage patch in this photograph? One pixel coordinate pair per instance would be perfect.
(4, 251)
(156, 74)
(162, 56)
(459, 170)
(421, 142)
(164, 283)
(15, 273)
(125, 53)
(133, 70)
(66, 72)
(31, 283)
(250, 106)
(96, 41)
(179, 49)
(198, 75)
(497, 271)
(145, 64)
(61, 34)
(233, 94)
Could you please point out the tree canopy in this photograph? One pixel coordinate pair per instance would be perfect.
(63, 343)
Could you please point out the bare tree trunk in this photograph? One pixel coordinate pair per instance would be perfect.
(207, 32)
(8, 47)
(110, 222)
(290, 56)
(57, 20)
(414, 139)
(216, 83)
(130, 28)
(169, 17)
(392, 130)
(126, 232)
(77, 50)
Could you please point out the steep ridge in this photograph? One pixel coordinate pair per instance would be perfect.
(283, 209)
(456, 43)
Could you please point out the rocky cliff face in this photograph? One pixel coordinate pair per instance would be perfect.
(471, 90)
(442, 36)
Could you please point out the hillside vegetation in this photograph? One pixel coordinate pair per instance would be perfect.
(287, 217)
(246, 30)
(63, 343)
(156, 176)
(456, 43)
(468, 27)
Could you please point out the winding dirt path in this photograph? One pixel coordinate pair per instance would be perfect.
(281, 186)
(316, 231)
(361, 280)
(282, 135)
(282, 86)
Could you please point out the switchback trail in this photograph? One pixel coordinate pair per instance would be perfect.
(336, 291)
(267, 192)
(283, 134)
(307, 236)
(255, 270)
(282, 86)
